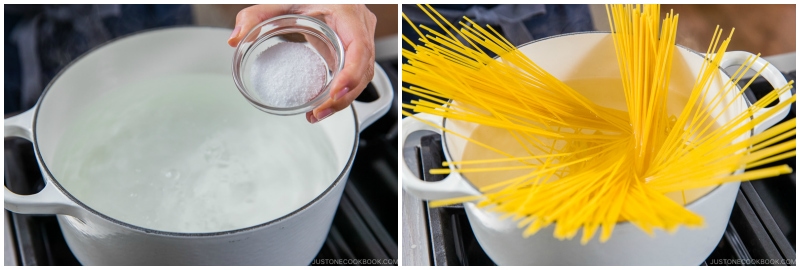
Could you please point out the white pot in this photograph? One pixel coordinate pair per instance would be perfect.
(582, 56)
(96, 239)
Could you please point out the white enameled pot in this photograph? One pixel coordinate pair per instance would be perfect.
(585, 56)
(97, 239)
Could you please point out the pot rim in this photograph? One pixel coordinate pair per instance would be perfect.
(717, 188)
(45, 168)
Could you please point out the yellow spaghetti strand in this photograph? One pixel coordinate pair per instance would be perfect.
(588, 167)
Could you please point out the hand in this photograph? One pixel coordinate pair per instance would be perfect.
(354, 24)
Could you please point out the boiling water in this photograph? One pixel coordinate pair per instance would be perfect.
(186, 153)
(605, 92)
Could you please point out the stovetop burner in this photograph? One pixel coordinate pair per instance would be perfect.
(761, 230)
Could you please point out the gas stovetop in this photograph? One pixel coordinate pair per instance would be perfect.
(761, 230)
(364, 230)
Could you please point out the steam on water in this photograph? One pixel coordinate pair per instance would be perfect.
(186, 153)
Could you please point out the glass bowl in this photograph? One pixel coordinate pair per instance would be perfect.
(311, 33)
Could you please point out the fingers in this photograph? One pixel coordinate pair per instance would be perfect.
(357, 32)
(251, 16)
(354, 24)
(358, 66)
(320, 113)
(354, 77)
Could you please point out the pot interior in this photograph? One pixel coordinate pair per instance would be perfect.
(150, 130)
(587, 63)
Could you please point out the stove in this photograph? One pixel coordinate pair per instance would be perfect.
(761, 230)
(364, 229)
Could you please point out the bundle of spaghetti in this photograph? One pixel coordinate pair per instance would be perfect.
(712, 155)
(645, 61)
(581, 175)
(520, 97)
(509, 92)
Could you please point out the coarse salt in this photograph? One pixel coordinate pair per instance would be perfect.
(288, 74)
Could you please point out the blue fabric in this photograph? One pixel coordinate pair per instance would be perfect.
(552, 20)
(12, 75)
(560, 19)
(42, 39)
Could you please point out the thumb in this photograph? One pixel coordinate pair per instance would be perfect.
(251, 16)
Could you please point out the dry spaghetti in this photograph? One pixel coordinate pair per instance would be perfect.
(589, 167)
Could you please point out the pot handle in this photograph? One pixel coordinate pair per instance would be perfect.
(771, 74)
(49, 200)
(369, 112)
(452, 186)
